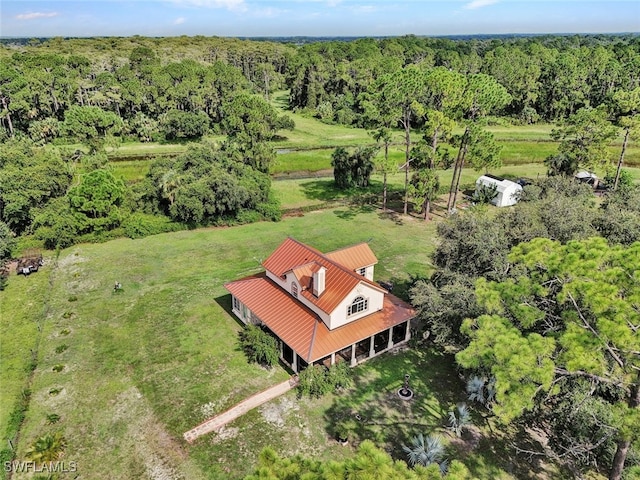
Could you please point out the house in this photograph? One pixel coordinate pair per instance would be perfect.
(507, 192)
(323, 308)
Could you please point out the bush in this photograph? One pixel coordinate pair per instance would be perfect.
(317, 380)
(140, 225)
(259, 346)
(270, 210)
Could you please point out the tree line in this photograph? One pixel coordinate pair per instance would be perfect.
(142, 80)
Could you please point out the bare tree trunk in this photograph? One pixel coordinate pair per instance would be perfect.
(624, 148)
(407, 143)
(384, 176)
(453, 190)
(623, 444)
(5, 105)
(434, 148)
(427, 207)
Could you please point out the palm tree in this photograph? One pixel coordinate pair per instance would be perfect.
(459, 419)
(47, 448)
(425, 451)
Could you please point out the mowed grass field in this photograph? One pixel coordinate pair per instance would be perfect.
(309, 192)
(140, 367)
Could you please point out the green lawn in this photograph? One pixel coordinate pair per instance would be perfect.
(142, 366)
(309, 192)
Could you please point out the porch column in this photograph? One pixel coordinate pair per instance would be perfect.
(372, 346)
(294, 365)
(333, 358)
(408, 334)
(390, 342)
(354, 362)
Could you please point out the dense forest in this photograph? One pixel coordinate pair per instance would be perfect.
(103, 91)
(524, 278)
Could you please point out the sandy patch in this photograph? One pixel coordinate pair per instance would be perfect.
(277, 411)
(224, 434)
(162, 456)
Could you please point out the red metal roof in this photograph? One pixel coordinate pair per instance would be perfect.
(354, 257)
(301, 329)
(301, 259)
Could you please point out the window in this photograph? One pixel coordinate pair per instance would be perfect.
(362, 271)
(360, 304)
(294, 289)
(236, 304)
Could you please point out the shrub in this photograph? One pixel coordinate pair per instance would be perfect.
(140, 225)
(58, 368)
(61, 348)
(52, 418)
(459, 419)
(258, 345)
(317, 380)
(270, 210)
(313, 381)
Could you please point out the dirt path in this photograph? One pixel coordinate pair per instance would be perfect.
(215, 423)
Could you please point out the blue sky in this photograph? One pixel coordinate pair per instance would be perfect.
(313, 17)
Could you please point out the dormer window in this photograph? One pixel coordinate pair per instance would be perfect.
(362, 271)
(294, 289)
(359, 304)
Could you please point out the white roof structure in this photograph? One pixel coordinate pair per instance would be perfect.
(507, 191)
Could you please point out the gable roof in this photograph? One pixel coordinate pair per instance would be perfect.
(354, 257)
(301, 329)
(302, 260)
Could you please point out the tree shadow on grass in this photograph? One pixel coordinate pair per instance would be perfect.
(495, 453)
(353, 211)
(384, 418)
(324, 190)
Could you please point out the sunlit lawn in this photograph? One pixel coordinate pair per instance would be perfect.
(146, 364)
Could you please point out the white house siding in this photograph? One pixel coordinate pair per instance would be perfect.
(339, 315)
(368, 274)
(241, 311)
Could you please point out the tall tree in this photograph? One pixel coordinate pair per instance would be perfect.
(250, 122)
(567, 312)
(385, 165)
(626, 108)
(583, 138)
(482, 96)
(91, 126)
(400, 96)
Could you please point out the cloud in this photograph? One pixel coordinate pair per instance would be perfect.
(34, 15)
(363, 9)
(179, 21)
(234, 5)
(479, 4)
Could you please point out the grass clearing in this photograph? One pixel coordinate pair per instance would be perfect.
(22, 308)
(309, 192)
(143, 365)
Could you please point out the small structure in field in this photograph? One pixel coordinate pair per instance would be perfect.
(30, 262)
(589, 178)
(507, 192)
